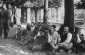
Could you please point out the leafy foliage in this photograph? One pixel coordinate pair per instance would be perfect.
(40, 3)
(36, 4)
(33, 3)
(80, 5)
(15, 2)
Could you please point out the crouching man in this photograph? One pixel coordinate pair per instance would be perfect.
(18, 32)
(53, 39)
(66, 43)
(79, 45)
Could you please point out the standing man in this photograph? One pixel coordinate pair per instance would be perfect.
(1, 21)
(6, 19)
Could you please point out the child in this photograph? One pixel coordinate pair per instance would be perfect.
(18, 32)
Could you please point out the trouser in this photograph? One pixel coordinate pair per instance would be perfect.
(48, 47)
(1, 28)
(5, 29)
(79, 47)
(66, 47)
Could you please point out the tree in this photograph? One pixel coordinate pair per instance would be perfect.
(14, 2)
(69, 14)
(34, 4)
(39, 4)
(52, 3)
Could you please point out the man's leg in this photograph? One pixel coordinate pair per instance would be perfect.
(68, 47)
(6, 30)
(1, 30)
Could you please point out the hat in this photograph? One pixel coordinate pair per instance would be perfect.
(53, 26)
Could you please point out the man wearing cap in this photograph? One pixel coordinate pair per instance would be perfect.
(6, 19)
(79, 45)
(26, 35)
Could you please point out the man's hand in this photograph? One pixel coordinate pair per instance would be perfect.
(35, 37)
(61, 44)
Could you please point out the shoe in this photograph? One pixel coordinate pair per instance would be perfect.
(49, 53)
(69, 52)
(62, 51)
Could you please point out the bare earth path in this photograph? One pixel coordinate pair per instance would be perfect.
(11, 47)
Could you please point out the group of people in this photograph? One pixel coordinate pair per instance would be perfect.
(42, 34)
(45, 34)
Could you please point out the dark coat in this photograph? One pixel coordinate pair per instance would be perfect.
(6, 16)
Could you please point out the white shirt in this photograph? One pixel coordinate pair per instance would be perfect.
(54, 38)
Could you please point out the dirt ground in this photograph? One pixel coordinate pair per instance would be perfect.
(12, 47)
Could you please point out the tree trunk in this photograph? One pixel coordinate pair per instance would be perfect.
(45, 11)
(69, 14)
(35, 15)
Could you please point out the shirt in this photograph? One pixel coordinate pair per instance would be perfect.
(54, 38)
(18, 33)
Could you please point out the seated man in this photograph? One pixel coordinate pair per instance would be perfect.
(53, 38)
(40, 38)
(26, 35)
(66, 43)
(18, 32)
(79, 45)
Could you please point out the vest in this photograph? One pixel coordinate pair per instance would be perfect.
(63, 37)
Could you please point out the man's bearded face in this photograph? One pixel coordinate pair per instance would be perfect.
(66, 30)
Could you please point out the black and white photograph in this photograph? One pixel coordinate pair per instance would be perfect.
(42, 27)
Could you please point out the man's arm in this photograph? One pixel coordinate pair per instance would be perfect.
(49, 38)
(59, 38)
